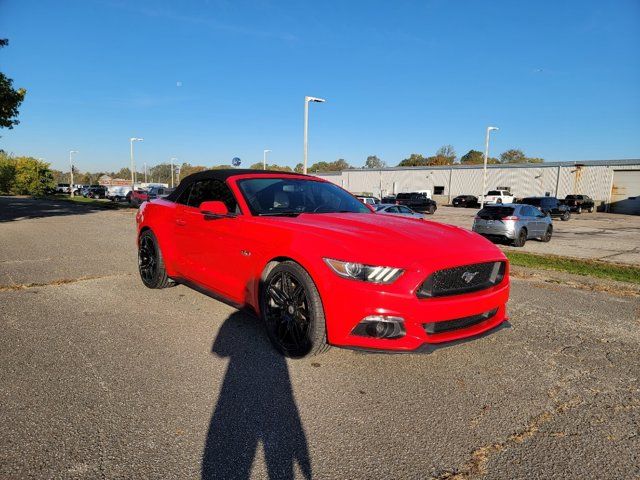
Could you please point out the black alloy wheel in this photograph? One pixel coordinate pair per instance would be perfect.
(547, 236)
(292, 311)
(565, 216)
(150, 262)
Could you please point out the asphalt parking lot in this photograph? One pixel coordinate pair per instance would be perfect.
(103, 378)
(597, 236)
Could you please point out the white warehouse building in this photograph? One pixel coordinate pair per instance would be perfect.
(613, 184)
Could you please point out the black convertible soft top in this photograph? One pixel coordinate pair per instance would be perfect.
(221, 175)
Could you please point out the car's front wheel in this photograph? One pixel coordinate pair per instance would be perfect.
(150, 262)
(565, 216)
(291, 308)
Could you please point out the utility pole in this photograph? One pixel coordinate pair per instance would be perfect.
(71, 152)
(264, 159)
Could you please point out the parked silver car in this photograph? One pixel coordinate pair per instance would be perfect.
(391, 209)
(517, 223)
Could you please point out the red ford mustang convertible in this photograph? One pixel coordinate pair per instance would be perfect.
(318, 266)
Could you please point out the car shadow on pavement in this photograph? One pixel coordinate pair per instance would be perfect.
(23, 208)
(256, 406)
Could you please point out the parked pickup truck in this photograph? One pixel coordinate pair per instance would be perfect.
(118, 193)
(417, 201)
(549, 206)
(579, 203)
(498, 197)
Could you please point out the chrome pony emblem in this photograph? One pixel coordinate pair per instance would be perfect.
(468, 276)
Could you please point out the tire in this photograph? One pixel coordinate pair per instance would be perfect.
(547, 236)
(565, 216)
(150, 262)
(431, 210)
(291, 309)
(579, 210)
(499, 201)
(521, 239)
(590, 210)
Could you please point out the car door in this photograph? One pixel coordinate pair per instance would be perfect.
(212, 245)
(533, 221)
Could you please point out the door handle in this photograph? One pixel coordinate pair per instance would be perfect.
(180, 222)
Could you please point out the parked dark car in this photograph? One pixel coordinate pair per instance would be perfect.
(388, 199)
(96, 192)
(418, 202)
(550, 206)
(579, 203)
(465, 201)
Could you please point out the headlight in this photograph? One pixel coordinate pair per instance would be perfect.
(366, 273)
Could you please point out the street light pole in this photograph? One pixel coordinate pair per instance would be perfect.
(71, 152)
(264, 159)
(484, 173)
(145, 172)
(306, 127)
(133, 165)
(172, 167)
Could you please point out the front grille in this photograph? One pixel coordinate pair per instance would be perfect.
(448, 325)
(465, 279)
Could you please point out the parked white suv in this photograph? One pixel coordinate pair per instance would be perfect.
(498, 197)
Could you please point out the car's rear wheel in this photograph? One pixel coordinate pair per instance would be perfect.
(431, 210)
(499, 201)
(590, 210)
(292, 311)
(150, 262)
(565, 216)
(579, 210)
(521, 239)
(547, 236)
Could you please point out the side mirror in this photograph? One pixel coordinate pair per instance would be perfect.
(214, 208)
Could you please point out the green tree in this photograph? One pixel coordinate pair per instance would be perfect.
(440, 160)
(10, 99)
(7, 173)
(24, 175)
(513, 156)
(374, 162)
(414, 160)
(474, 157)
(299, 168)
(273, 166)
(448, 152)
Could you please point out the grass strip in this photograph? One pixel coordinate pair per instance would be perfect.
(577, 266)
(92, 202)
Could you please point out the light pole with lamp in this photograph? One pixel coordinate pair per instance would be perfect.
(484, 172)
(133, 165)
(306, 126)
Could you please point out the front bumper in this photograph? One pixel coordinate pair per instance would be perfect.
(349, 302)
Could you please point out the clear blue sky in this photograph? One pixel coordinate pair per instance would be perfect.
(560, 78)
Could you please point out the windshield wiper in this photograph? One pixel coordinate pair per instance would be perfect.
(279, 214)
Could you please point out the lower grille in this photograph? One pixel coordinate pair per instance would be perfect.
(464, 279)
(458, 323)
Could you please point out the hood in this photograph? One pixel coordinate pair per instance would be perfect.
(375, 238)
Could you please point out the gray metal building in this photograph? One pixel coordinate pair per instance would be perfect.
(613, 184)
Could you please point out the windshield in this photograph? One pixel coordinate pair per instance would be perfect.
(494, 192)
(289, 196)
(532, 201)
